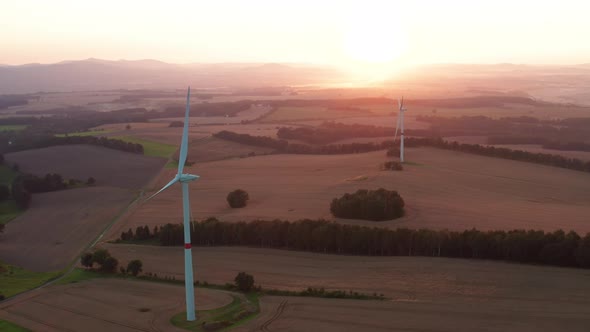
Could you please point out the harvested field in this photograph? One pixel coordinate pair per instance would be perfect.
(428, 294)
(289, 113)
(106, 305)
(379, 121)
(442, 189)
(109, 167)
(253, 113)
(211, 149)
(315, 314)
(58, 225)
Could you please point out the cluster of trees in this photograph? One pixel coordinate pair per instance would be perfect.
(321, 292)
(108, 264)
(141, 233)
(237, 198)
(25, 142)
(24, 185)
(35, 184)
(244, 282)
(102, 258)
(491, 151)
(376, 205)
(537, 247)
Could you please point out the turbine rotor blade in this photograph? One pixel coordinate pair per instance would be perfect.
(176, 178)
(184, 142)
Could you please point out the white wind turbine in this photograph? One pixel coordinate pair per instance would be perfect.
(184, 179)
(400, 125)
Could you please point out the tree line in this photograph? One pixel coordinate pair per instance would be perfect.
(284, 146)
(24, 185)
(329, 132)
(24, 142)
(524, 246)
(544, 142)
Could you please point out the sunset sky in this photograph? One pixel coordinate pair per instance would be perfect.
(383, 33)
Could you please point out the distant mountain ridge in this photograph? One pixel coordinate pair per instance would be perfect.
(98, 74)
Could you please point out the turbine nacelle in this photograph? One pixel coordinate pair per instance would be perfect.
(183, 178)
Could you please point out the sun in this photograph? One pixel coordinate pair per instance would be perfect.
(374, 38)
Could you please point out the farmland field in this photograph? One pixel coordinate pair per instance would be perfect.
(424, 292)
(288, 114)
(313, 314)
(211, 149)
(442, 190)
(106, 305)
(58, 225)
(107, 166)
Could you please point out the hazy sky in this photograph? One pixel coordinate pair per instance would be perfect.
(381, 33)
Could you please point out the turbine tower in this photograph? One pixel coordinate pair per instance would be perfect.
(400, 125)
(184, 179)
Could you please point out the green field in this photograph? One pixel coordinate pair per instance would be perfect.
(12, 127)
(14, 280)
(150, 148)
(85, 133)
(9, 327)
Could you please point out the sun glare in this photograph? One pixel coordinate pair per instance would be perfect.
(374, 43)
(375, 39)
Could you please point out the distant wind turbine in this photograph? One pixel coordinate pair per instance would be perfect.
(184, 179)
(400, 125)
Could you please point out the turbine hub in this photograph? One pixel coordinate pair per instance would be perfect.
(188, 178)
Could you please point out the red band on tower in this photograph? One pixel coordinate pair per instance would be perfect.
(187, 246)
